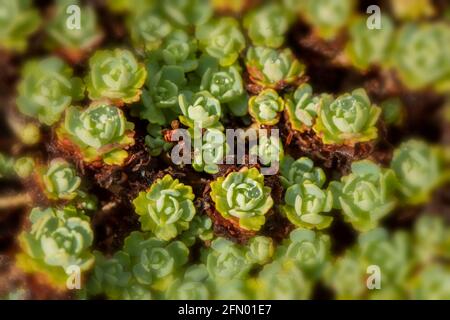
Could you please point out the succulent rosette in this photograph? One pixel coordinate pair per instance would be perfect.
(327, 17)
(267, 25)
(179, 49)
(307, 204)
(391, 254)
(308, 249)
(18, 21)
(222, 39)
(369, 46)
(260, 250)
(148, 30)
(346, 276)
(243, 198)
(192, 286)
(200, 110)
(300, 171)
(419, 169)
(115, 75)
(420, 56)
(58, 238)
(61, 180)
(226, 260)
(166, 208)
(266, 107)
(302, 108)
(200, 227)
(431, 238)
(211, 153)
(282, 280)
(432, 283)
(349, 119)
(271, 68)
(47, 88)
(224, 83)
(23, 167)
(366, 195)
(113, 277)
(186, 13)
(160, 99)
(76, 39)
(155, 263)
(269, 150)
(100, 132)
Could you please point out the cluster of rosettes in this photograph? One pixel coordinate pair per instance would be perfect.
(196, 72)
(411, 264)
(346, 120)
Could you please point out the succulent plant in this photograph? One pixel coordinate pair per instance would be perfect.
(224, 83)
(369, 46)
(349, 119)
(101, 132)
(47, 88)
(412, 9)
(391, 254)
(306, 204)
(302, 108)
(179, 49)
(269, 150)
(148, 30)
(73, 40)
(418, 168)
(200, 110)
(431, 239)
(18, 21)
(267, 25)
(60, 180)
(270, 68)
(345, 277)
(161, 98)
(166, 208)
(260, 250)
(432, 283)
(300, 171)
(282, 280)
(211, 153)
(154, 262)
(308, 249)
(366, 195)
(115, 75)
(222, 39)
(200, 227)
(58, 238)
(420, 55)
(192, 286)
(187, 13)
(265, 108)
(155, 140)
(328, 17)
(226, 260)
(23, 167)
(242, 197)
(113, 277)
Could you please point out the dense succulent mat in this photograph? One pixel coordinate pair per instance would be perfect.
(344, 105)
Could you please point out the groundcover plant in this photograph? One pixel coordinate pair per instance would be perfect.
(196, 149)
